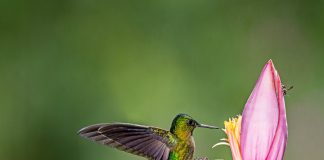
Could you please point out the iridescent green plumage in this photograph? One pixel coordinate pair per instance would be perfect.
(150, 142)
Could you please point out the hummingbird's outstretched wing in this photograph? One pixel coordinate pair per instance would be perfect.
(150, 142)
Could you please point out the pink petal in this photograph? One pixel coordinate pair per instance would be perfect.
(280, 141)
(262, 120)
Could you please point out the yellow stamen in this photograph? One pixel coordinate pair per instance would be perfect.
(233, 131)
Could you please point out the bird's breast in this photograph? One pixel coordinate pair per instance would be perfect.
(184, 150)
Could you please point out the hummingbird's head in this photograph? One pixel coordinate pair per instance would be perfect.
(183, 126)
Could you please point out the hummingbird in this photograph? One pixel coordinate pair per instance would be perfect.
(146, 141)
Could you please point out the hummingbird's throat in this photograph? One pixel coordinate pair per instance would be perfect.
(183, 134)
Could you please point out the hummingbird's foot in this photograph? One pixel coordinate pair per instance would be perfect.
(201, 158)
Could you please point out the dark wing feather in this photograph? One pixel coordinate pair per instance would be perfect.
(150, 142)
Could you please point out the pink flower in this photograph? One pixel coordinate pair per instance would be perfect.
(261, 132)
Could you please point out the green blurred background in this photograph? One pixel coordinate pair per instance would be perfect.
(66, 64)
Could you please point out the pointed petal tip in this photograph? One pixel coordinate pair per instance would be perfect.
(270, 64)
(269, 68)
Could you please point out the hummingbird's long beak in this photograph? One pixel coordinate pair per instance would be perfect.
(206, 126)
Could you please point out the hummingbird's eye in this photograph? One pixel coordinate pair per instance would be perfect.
(191, 122)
